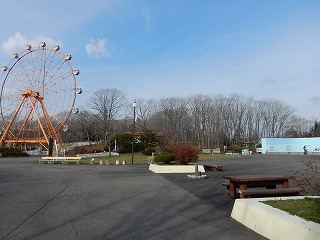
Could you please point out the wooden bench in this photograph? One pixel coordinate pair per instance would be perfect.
(213, 167)
(253, 185)
(228, 187)
(279, 192)
(63, 160)
(244, 182)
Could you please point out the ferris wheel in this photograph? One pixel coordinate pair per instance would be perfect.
(37, 96)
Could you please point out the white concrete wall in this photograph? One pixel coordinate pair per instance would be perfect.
(273, 223)
(157, 168)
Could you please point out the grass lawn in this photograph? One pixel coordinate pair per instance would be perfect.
(307, 208)
(139, 158)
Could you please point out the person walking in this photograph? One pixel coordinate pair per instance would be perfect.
(305, 150)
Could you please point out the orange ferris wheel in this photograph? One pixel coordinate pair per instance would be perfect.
(37, 97)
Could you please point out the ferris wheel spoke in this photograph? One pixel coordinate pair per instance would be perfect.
(55, 65)
(16, 82)
(56, 91)
(58, 77)
(22, 72)
(59, 106)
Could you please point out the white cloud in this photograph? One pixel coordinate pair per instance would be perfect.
(147, 17)
(97, 48)
(315, 99)
(16, 43)
(268, 81)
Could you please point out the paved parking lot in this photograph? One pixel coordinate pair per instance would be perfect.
(40, 201)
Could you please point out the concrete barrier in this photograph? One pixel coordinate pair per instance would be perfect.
(190, 168)
(273, 223)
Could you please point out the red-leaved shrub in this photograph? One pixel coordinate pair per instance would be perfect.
(184, 154)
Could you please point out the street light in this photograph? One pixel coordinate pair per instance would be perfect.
(133, 129)
(65, 130)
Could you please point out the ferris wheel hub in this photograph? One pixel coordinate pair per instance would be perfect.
(27, 93)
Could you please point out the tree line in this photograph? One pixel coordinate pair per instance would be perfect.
(206, 121)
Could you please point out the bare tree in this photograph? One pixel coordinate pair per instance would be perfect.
(172, 117)
(82, 127)
(275, 118)
(144, 110)
(298, 127)
(108, 105)
(200, 106)
(206, 121)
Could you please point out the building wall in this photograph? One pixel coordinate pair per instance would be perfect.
(290, 145)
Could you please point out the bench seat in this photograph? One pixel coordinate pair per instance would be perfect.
(279, 192)
(213, 167)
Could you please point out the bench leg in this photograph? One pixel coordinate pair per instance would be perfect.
(232, 190)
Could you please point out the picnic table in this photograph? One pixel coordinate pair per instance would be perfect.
(268, 182)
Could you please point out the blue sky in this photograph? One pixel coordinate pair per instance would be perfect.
(164, 48)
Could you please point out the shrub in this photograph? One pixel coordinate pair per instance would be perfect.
(184, 154)
(164, 158)
(93, 148)
(12, 152)
(149, 151)
(309, 181)
(149, 139)
(124, 142)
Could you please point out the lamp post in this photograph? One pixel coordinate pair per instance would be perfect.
(65, 130)
(133, 129)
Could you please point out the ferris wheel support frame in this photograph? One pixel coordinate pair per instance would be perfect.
(52, 133)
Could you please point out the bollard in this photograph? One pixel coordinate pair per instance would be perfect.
(92, 161)
(117, 162)
(100, 162)
(123, 162)
(107, 162)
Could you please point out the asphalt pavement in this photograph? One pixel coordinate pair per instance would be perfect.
(40, 201)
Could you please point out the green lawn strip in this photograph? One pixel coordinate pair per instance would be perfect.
(307, 208)
(139, 158)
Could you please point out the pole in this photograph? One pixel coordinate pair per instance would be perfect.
(50, 150)
(133, 130)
